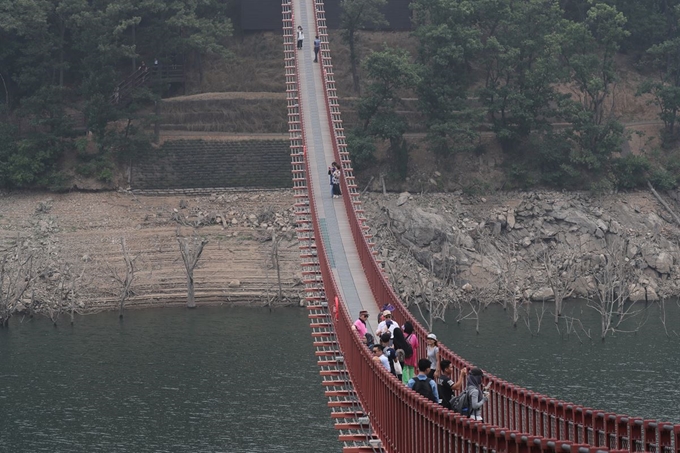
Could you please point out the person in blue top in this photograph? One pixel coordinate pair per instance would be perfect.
(422, 384)
(317, 47)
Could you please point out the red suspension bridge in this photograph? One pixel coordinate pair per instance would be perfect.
(373, 411)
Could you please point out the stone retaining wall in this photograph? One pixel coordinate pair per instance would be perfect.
(200, 164)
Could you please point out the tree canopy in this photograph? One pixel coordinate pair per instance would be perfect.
(60, 62)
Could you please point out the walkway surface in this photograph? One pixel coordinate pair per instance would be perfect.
(333, 220)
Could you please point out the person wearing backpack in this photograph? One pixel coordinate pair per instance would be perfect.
(423, 384)
(445, 383)
(478, 396)
(411, 362)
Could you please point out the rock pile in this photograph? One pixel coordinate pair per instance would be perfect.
(520, 241)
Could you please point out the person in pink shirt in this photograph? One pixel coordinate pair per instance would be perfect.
(359, 325)
(410, 363)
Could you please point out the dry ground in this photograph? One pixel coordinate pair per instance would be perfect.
(84, 230)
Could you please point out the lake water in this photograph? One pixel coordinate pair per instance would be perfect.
(166, 380)
(220, 379)
(637, 374)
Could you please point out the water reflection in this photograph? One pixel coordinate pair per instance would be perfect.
(635, 374)
(168, 380)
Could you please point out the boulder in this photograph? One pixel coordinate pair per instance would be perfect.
(511, 219)
(663, 263)
(579, 218)
(403, 198)
(640, 293)
(541, 294)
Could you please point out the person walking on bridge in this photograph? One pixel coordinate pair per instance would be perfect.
(317, 47)
(410, 363)
(359, 325)
(335, 179)
(445, 383)
(478, 396)
(433, 355)
(388, 325)
(423, 384)
(380, 356)
(300, 37)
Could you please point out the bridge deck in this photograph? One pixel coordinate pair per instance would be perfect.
(333, 219)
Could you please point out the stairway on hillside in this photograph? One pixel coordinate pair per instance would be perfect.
(146, 77)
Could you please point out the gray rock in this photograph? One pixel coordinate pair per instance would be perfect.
(640, 293)
(614, 227)
(663, 263)
(579, 218)
(403, 198)
(511, 219)
(541, 294)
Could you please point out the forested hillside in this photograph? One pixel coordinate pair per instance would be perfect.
(518, 69)
(539, 74)
(61, 63)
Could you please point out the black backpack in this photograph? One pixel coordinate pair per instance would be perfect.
(461, 403)
(424, 388)
(408, 349)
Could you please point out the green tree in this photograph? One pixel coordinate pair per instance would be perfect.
(520, 58)
(388, 72)
(665, 58)
(357, 15)
(589, 49)
(448, 43)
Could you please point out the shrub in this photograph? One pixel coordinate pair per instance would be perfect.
(630, 171)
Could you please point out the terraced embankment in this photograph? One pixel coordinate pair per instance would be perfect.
(67, 233)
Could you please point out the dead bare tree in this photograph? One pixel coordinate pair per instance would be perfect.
(561, 272)
(614, 281)
(275, 263)
(539, 317)
(191, 249)
(56, 292)
(75, 291)
(16, 274)
(125, 281)
(510, 286)
(665, 290)
(435, 306)
(477, 298)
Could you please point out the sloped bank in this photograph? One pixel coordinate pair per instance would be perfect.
(515, 245)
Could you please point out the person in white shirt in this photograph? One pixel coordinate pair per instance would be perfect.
(379, 356)
(300, 37)
(387, 325)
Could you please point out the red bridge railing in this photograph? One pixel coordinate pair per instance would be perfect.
(516, 419)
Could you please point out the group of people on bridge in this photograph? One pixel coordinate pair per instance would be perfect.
(396, 350)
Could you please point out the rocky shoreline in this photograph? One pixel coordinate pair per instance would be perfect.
(521, 247)
(437, 248)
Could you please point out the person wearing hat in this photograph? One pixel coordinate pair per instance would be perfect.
(387, 325)
(359, 325)
(433, 355)
(477, 394)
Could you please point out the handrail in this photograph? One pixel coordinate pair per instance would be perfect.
(510, 406)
